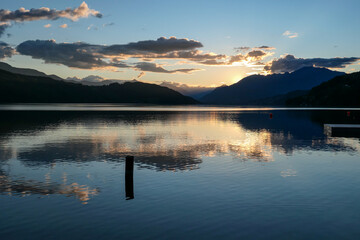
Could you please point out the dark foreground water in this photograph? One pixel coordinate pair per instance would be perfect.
(201, 174)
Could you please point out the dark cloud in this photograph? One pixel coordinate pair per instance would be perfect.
(3, 27)
(159, 46)
(91, 56)
(212, 58)
(84, 56)
(290, 63)
(246, 49)
(265, 47)
(194, 55)
(236, 58)
(76, 55)
(256, 54)
(252, 56)
(153, 67)
(6, 50)
(23, 15)
(242, 49)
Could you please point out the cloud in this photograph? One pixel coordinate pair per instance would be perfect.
(75, 55)
(199, 57)
(85, 56)
(47, 25)
(153, 67)
(290, 63)
(252, 56)
(6, 50)
(265, 47)
(3, 27)
(159, 46)
(92, 26)
(108, 24)
(92, 56)
(22, 15)
(43, 13)
(290, 34)
(256, 54)
(93, 78)
(63, 26)
(193, 55)
(241, 49)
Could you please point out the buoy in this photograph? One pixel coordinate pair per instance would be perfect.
(348, 113)
(271, 115)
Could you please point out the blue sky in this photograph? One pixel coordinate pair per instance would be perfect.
(323, 29)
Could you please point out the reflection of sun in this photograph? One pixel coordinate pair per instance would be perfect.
(253, 145)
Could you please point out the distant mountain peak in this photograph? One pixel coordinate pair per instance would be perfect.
(27, 71)
(254, 87)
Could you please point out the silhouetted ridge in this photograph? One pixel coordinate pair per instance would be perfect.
(17, 88)
(27, 71)
(253, 88)
(341, 91)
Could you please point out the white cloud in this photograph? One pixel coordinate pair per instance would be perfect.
(47, 25)
(289, 34)
(64, 26)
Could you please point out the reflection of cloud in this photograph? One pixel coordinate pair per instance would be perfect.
(161, 148)
(161, 141)
(29, 187)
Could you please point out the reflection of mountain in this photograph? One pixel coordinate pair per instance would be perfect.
(162, 140)
(50, 141)
(295, 129)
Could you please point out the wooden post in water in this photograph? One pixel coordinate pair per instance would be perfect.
(129, 177)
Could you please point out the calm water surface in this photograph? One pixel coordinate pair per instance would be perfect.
(200, 173)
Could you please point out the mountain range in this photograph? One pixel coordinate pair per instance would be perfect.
(19, 88)
(341, 91)
(26, 71)
(306, 87)
(259, 89)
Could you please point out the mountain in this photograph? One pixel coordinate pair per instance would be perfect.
(279, 100)
(26, 71)
(94, 80)
(341, 91)
(256, 87)
(17, 88)
(196, 92)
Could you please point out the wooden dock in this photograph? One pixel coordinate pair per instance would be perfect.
(342, 130)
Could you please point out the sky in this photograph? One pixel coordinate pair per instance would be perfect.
(205, 43)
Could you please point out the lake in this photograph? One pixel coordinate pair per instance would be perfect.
(199, 173)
